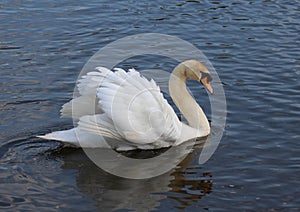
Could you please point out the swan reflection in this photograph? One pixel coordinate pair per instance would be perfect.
(185, 184)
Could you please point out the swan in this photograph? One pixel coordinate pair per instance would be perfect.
(124, 110)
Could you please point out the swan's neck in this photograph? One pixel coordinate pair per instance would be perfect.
(185, 102)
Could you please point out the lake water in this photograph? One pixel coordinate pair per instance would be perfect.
(253, 45)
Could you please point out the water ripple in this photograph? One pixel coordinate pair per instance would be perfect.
(252, 44)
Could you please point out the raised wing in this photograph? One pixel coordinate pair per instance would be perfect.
(86, 103)
(129, 107)
(137, 108)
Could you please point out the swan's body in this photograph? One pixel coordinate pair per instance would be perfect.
(131, 111)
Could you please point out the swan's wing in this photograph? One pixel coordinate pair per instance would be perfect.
(132, 108)
(86, 103)
(89, 83)
(99, 124)
(137, 108)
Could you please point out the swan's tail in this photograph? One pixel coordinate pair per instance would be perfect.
(78, 138)
(65, 136)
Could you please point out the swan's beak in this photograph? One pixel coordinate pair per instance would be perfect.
(207, 85)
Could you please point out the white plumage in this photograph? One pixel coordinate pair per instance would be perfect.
(124, 110)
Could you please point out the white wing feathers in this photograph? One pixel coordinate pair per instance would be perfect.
(89, 83)
(133, 109)
(85, 104)
(99, 124)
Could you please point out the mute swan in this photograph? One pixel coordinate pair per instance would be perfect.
(124, 111)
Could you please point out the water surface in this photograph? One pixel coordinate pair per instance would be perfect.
(253, 45)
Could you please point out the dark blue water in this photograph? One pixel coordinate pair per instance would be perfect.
(253, 45)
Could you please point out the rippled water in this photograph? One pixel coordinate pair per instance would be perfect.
(253, 45)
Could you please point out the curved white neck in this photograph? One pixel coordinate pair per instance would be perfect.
(185, 102)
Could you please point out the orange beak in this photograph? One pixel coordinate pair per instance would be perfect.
(207, 85)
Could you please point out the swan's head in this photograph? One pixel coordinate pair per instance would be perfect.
(197, 71)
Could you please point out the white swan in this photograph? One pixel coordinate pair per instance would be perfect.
(130, 111)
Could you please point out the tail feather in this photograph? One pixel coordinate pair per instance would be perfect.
(67, 136)
(78, 138)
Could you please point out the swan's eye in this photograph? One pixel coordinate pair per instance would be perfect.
(203, 75)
